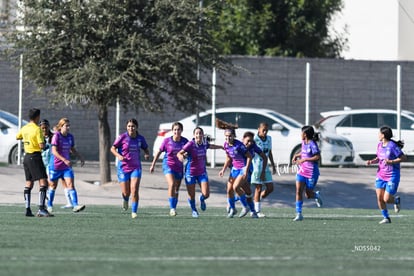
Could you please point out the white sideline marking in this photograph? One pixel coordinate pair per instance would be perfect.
(187, 213)
(201, 258)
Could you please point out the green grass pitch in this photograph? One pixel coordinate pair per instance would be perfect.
(103, 240)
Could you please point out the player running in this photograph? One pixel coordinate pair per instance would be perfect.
(308, 174)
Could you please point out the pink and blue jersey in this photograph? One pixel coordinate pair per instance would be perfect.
(63, 145)
(171, 148)
(385, 171)
(197, 157)
(237, 152)
(309, 169)
(130, 148)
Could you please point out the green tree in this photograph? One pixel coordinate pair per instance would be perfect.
(294, 28)
(143, 52)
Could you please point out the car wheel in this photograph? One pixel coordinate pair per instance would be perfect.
(13, 157)
(296, 150)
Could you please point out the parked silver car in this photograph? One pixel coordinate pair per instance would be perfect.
(285, 133)
(9, 126)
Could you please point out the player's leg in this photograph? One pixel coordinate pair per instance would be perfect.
(300, 186)
(205, 193)
(52, 185)
(134, 187)
(191, 199)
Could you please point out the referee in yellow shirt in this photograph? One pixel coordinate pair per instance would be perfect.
(34, 169)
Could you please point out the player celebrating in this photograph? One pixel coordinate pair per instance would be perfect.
(255, 151)
(389, 157)
(171, 165)
(127, 149)
(195, 171)
(308, 173)
(240, 159)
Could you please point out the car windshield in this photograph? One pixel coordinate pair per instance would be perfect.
(286, 120)
(11, 118)
(409, 113)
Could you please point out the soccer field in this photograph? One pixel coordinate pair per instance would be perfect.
(103, 240)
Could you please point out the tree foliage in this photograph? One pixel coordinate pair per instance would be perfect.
(146, 53)
(294, 28)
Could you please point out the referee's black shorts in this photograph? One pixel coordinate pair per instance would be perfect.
(34, 169)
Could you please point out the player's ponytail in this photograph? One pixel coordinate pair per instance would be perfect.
(310, 133)
(387, 132)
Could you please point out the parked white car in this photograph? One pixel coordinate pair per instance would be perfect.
(361, 127)
(285, 133)
(9, 126)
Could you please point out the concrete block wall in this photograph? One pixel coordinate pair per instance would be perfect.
(273, 83)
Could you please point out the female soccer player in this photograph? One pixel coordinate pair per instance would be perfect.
(240, 159)
(171, 165)
(195, 171)
(308, 173)
(60, 165)
(389, 157)
(46, 153)
(127, 149)
(248, 141)
(264, 142)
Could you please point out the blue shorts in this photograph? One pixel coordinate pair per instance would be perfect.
(309, 182)
(191, 180)
(390, 187)
(234, 173)
(126, 176)
(58, 174)
(167, 170)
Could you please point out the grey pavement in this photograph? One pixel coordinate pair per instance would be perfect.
(340, 187)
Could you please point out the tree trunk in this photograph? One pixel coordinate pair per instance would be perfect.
(104, 145)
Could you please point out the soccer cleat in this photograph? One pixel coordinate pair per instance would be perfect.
(231, 213)
(173, 213)
(253, 215)
(43, 213)
(385, 220)
(397, 204)
(194, 214)
(134, 215)
(125, 205)
(78, 208)
(228, 210)
(261, 215)
(29, 213)
(243, 212)
(318, 199)
(298, 217)
(67, 206)
(203, 205)
(50, 209)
